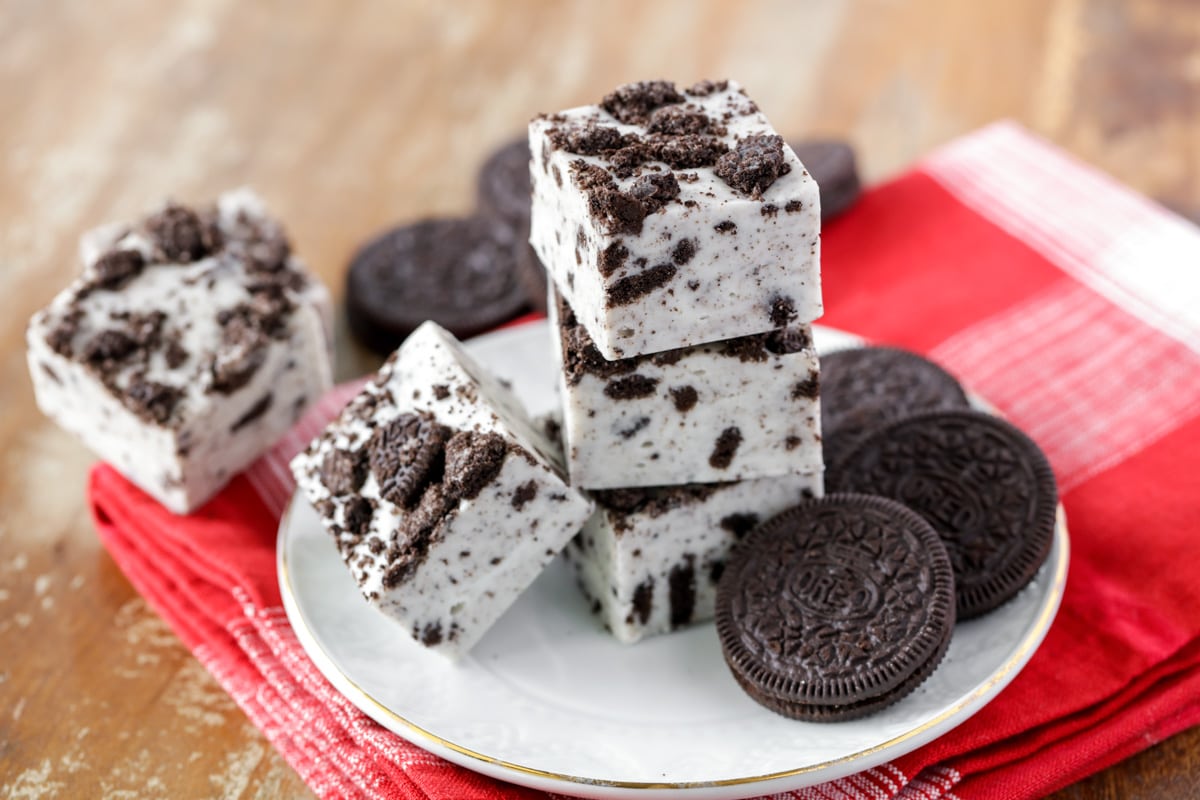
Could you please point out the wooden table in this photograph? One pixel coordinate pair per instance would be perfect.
(350, 118)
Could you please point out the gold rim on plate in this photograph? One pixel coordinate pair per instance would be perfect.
(1005, 672)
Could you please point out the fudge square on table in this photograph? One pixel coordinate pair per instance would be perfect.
(672, 218)
(725, 411)
(443, 499)
(648, 560)
(190, 342)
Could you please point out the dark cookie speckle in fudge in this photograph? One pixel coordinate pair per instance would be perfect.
(181, 234)
(685, 398)
(653, 501)
(473, 460)
(261, 406)
(754, 164)
(630, 387)
(116, 268)
(406, 455)
(634, 287)
(725, 448)
(525, 492)
(680, 121)
(740, 524)
(152, 401)
(343, 472)
(634, 102)
(683, 252)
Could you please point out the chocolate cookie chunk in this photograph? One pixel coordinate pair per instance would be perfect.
(866, 387)
(832, 165)
(460, 273)
(503, 187)
(984, 486)
(836, 607)
(406, 455)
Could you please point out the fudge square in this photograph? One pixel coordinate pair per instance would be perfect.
(190, 342)
(443, 500)
(725, 411)
(648, 560)
(672, 218)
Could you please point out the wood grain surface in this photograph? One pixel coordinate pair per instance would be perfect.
(351, 116)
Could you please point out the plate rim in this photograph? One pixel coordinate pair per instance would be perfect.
(550, 780)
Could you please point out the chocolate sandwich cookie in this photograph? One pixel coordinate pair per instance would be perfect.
(503, 192)
(460, 273)
(984, 486)
(532, 275)
(866, 387)
(836, 608)
(832, 165)
(503, 188)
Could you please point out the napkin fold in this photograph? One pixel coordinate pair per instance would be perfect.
(1068, 301)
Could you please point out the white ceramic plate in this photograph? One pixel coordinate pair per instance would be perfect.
(548, 699)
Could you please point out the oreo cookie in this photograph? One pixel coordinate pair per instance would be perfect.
(832, 165)
(504, 192)
(866, 387)
(503, 187)
(836, 608)
(532, 275)
(980, 482)
(460, 273)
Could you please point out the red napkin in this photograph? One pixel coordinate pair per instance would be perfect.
(1069, 302)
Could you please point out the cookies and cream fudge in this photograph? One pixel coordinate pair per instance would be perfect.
(443, 499)
(742, 408)
(648, 560)
(190, 342)
(671, 218)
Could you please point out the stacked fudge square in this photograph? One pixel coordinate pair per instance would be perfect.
(683, 239)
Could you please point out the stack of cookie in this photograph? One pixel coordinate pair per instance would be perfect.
(682, 237)
(939, 513)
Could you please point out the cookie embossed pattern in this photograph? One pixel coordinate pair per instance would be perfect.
(836, 608)
(864, 387)
(982, 483)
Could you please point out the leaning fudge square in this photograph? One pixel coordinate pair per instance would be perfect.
(672, 218)
(725, 411)
(648, 560)
(190, 342)
(444, 501)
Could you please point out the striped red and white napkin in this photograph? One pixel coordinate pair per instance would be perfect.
(1068, 301)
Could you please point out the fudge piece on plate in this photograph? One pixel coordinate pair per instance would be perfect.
(649, 560)
(443, 499)
(742, 408)
(188, 345)
(671, 218)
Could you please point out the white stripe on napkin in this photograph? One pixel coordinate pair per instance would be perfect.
(1090, 383)
(1137, 254)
